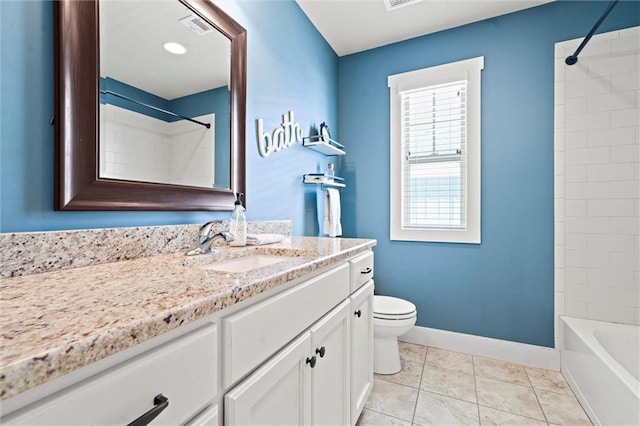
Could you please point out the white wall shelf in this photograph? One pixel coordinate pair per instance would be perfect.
(324, 145)
(323, 179)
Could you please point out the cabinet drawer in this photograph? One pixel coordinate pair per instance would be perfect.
(254, 334)
(361, 270)
(183, 370)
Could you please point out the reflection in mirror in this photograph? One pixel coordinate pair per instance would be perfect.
(164, 96)
(169, 122)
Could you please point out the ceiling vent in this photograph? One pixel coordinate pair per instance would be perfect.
(397, 4)
(196, 24)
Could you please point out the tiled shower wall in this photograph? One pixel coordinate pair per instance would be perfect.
(597, 195)
(138, 147)
(192, 152)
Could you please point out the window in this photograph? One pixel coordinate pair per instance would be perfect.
(435, 153)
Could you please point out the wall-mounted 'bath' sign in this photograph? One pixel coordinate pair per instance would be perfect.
(287, 134)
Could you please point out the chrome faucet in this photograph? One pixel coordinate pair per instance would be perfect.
(206, 238)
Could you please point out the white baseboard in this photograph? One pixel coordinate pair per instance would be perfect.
(521, 353)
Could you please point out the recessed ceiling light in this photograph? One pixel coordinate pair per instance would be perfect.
(175, 48)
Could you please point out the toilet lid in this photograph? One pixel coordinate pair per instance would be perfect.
(384, 306)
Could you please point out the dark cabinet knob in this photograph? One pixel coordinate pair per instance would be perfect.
(321, 352)
(160, 402)
(358, 313)
(311, 361)
(366, 271)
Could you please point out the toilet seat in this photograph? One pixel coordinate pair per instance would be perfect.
(392, 308)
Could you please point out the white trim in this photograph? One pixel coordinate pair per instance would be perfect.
(521, 353)
(439, 74)
(469, 70)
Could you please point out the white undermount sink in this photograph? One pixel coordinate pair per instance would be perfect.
(245, 264)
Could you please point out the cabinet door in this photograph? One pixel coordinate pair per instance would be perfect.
(361, 313)
(278, 393)
(330, 377)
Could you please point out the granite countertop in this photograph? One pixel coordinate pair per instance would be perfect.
(56, 322)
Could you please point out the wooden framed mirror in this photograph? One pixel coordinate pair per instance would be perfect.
(79, 183)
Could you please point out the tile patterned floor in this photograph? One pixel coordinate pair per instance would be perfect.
(439, 387)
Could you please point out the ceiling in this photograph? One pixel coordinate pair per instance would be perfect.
(355, 25)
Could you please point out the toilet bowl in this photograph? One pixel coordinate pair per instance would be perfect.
(392, 317)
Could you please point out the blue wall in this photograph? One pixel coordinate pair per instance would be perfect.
(290, 67)
(502, 288)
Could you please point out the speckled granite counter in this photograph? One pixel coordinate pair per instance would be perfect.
(53, 323)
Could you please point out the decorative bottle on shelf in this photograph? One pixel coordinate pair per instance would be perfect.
(330, 173)
(238, 224)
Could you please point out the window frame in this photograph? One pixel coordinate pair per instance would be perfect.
(469, 70)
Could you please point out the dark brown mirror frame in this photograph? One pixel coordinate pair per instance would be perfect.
(77, 80)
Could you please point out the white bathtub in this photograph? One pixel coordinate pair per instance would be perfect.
(601, 363)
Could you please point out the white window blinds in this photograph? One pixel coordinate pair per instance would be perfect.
(433, 126)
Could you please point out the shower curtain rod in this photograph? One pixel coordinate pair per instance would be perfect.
(109, 92)
(574, 58)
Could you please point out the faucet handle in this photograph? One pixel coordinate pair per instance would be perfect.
(204, 234)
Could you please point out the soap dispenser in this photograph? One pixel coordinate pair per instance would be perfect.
(238, 225)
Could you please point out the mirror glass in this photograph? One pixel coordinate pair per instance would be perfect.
(164, 96)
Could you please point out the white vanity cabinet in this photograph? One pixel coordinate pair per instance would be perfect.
(325, 375)
(361, 303)
(178, 380)
(306, 383)
(254, 334)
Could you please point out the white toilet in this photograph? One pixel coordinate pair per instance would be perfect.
(392, 317)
